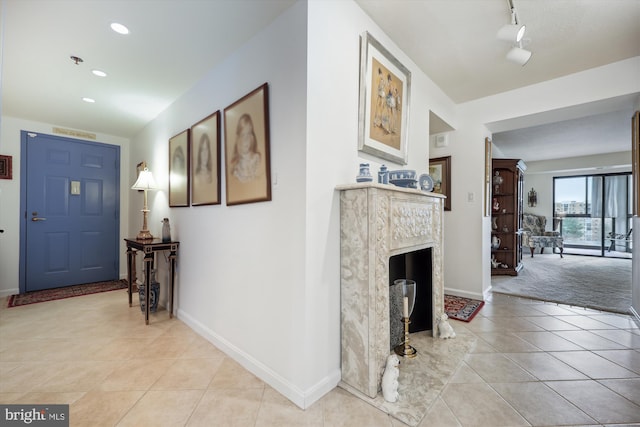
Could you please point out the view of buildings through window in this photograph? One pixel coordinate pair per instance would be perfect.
(591, 210)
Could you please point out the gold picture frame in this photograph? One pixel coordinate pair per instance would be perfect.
(247, 158)
(383, 110)
(179, 169)
(205, 161)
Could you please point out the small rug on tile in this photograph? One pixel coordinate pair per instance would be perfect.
(65, 292)
(460, 308)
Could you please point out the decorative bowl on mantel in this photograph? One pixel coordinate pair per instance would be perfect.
(403, 178)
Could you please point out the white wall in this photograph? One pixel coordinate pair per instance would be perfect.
(10, 198)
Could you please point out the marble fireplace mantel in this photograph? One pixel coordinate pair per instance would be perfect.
(378, 221)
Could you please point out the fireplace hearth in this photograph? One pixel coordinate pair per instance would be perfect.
(386, 233)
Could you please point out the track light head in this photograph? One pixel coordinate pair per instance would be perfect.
(519, 55)
(512, 33)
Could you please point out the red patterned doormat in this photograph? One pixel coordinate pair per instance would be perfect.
(65, 292)
(460, 308)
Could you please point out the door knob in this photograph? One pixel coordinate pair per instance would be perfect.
(38, 219)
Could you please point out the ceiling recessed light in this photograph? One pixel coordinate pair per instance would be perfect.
(89, 100)
(119, 28)
(99, 73)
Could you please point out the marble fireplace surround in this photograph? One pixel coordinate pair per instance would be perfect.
(377, 222)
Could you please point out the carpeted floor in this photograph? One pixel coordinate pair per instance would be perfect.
(583, 281)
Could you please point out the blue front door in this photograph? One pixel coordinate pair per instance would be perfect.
(70, 223)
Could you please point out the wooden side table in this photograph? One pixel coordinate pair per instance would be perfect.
(149, 249)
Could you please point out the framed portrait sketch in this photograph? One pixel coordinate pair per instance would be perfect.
(383, 111)
(246, 138)
(6, 167)
(179, 169)
(440, 171)
(205, 161)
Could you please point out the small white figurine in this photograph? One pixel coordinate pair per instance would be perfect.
(445, 329)
(390, 379)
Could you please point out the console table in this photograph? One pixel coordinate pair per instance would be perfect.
(149, 249)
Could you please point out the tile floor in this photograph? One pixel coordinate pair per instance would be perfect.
(534, 363)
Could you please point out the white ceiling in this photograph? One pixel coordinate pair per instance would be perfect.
(173, 43)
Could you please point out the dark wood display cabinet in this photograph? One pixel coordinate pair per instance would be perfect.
(506, 216)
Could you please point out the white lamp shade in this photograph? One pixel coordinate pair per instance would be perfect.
(511, 33)
(145, 181)
(519, 55)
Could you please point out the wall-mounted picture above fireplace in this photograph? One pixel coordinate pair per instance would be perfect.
(383, 113)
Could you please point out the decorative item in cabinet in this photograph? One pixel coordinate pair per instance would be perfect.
(506, 213)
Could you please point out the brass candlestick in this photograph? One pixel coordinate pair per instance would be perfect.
(404, 349)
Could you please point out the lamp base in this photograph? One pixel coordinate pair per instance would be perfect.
(144, 235)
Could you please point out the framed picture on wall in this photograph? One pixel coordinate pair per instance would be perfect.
(6, 167)
(246, 138)
(383, 111)
(205, 161)
(440, 171)
(179, 169)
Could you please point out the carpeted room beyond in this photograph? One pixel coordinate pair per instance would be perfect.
(583, 281)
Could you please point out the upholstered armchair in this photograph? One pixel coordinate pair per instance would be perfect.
(535, 236)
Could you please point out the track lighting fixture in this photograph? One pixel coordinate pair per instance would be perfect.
(513, 33)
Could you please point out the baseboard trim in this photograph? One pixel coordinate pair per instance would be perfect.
(301, 398)
(8, 292)
(464, 294)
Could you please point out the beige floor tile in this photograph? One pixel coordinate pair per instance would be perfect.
(593, 365)
(439, 415)
(552, 323)
(629, 359)
(588, 340)
(162, 408)
(277, 411)
(629, 388)
(619, 321)
(77, 376)
(586, 322)
(27, 376)
(479, 405)
(552, 309)
(540, 405)
(506, 342)
(598, 401)
(497, 368)
(50, 398)
(200, 348)
(624, 338)
(231, 375)
(188, 374)
(135, 374)
(547, 341)
(464, 375)
(342, 409)
(545, 367)
(102, 408)
(227, 407)
(9, 397)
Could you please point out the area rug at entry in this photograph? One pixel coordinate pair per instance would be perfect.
(460, 308)
(65, 292)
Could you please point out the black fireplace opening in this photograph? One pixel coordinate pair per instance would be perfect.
(416, 266)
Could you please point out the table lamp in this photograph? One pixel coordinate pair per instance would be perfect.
(144, 182)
